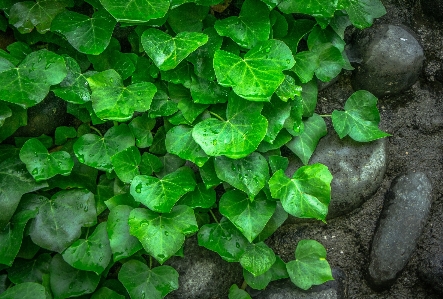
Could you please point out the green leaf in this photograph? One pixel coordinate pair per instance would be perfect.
(96, 151)
(27, 290)
(136, 11)
(310, 267)
(5, 112)
(363, 12)
(29, 270)
(208, 92)
(208, 174)
(278, 162)
(28, 84)
(277, 219)
(149, 164)
(105, 293)
(27, 14)
(249, 217)
(162, 235)
(90, 254)
(236, 293)
(121, 199)
(68, 282)
(288, 89)
(316, 8)
(15, 181)
(160, 195)
(18, 119)
(257, 282)
(11, 236)
(42, 165)
(86, 35)
(122, 244)
(142, 282)
(307, 194)
(276, 112)
(223, 238)
(63, 133)
(201, 197)
(250, 27)
(126, 164)
(248, 174)
(141, 127)
(360, 118)
(166, 51)
(304, 144)
(194, 17)
(258, 258)
(59, 220)
(258, 74)
(236, 137)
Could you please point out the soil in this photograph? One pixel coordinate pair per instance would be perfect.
(414, 118)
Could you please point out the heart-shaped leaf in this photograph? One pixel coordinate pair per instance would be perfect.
(136, 11)
(258, 74)
(236, 293)
(258, 258)
(166, 51)
(126, 164)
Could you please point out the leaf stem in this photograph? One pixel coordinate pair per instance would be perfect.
(244, 285)
(97, 130)
(325, 115)
(213, 216)
(216, 115)
(87, 233)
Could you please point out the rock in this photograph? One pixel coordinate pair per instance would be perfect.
(357, 169)
(203, 274)
(284, 289)
(433, 8)
(404, 214)
(391, 60)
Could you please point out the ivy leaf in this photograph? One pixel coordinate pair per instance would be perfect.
(106, 293)
(86, 35)
(179, 142)
(258, 74)
(15, 181)
(288, 89)
(208, 92)
(236, 137)
(363, 12)
(59, 219)
(194, 17)
(250, 27)
(277, 271)
(236, 293)
(122, 244)
(249, 217)
(258, 258)
(126, 164)
(248, 174)
(310, 267)
(90, 254)
(223, 238)
(63, 133)
(30, 270)
(150, 163)
(42, 165)
(208, 175)
(304, 144)
(316, 8)
(96, 151)
(68, 282)
(27, 290)
(160, 195)
(5, 112)
(29, 83)
(307, 194)
(136, 11)
(162, 235)
(276, 112)
(166, 51)
(277, 219)
(360, 118)
(141, 127)
(142, 282)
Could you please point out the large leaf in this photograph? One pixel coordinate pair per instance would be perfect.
(316, 8)
(142, 282)
(360, 118)
(250, 27)
(238, 135)
(30, 270)
(136, 11)
(258, 74)
(27, 290)
(307, 194)
(86, 35)
(28, 83)
(258, 258)
(162, 235)
(59, 219)
(15, 181)
(167, 51)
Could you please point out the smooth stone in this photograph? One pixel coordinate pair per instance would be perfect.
(202, 273)
(405, 210)
(284, 289)
(391, 60)
(357, 169)
(433, 8)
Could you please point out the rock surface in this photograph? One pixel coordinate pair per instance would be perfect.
(433, 8)
(405, 211)
(391, 60)
(357, 170)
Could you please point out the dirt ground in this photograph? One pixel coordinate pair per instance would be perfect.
(415, 120)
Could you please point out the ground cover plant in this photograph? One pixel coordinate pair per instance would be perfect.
(181, 110)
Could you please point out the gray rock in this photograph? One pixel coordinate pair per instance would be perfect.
(203, 274)
(433, 8)
(391, 60)
(357, 169)
(285, 289)
(405, 210)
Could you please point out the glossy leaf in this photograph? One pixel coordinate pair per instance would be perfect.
(310, 267)
(5, 112)
(150, 164)
(236, 293)
(136, 11)
(316, 8)
(162, 235)
(360, 118)
(307, 194)
(258, 258)
(201, 197)
(288, 89)
(277, 219)
(258, 74)
(160, 195)
(126, 164)
(276, 112)
(141, 127)
(208, 92)
(27, 290)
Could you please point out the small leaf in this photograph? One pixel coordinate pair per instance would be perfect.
(310, 267)
(258, 258)
(307, 194)
(126, 164)
(63, 133)
(288, 89)
(363, 12)
(360, 118)
(236, 293)
(208, 174)
(201, 197)
(5, 112)
(136, 11)
(105, 293)
(208, 92)
(150, 164)
(276, 112)
(141, 127)
(142, 282)
(162, 235)
(27, 290)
